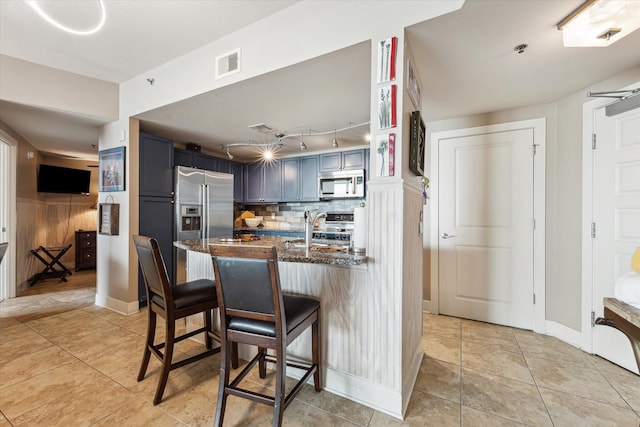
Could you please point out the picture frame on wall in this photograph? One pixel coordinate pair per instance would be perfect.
(416, 144)
(111, 172)
(413, 87)
(387, 59)
(387, 107)
(385, 147)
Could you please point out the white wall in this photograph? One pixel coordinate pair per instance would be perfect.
(563, 191)
(39, 86)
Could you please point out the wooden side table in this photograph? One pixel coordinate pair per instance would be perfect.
(85, 249)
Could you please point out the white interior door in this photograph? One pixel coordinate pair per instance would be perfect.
(485, 229)
(7, 218)
(616, 215)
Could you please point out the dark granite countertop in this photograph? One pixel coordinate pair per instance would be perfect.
(287, 248)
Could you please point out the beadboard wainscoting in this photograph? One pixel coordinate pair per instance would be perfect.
(353, 328)
(412, 257)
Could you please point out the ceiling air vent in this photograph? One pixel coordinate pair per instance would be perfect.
(261, 127)
(228, 64)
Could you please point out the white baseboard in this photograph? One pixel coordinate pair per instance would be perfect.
(117, 305)
(429, 306)
(410, 379)
(566, 334)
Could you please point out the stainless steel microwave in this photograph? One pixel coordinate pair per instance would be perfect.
(341, 184)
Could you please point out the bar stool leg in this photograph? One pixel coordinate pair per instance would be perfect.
(224, 381)
(166, 360)
(281, 366)
(151, 334)
(262, 365)
(315, 350)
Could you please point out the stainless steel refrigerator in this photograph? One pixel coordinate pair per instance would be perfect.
(204, 208)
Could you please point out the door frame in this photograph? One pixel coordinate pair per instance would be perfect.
(589, 110)
(10, 258)
(539, 264)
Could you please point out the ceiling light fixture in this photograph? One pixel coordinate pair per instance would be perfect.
(303, 146)
(229, 155)
(334, 144)
(103, 17)
(599, 23)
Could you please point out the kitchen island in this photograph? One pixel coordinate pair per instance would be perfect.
(351, 323)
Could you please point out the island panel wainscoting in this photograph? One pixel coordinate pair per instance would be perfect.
(355, 364)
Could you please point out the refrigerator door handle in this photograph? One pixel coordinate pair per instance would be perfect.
(204, 212)
(206, 208)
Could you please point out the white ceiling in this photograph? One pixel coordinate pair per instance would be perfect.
(466, 62)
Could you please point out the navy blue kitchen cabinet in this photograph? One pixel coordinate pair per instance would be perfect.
(263, 181)
(156, 220)
(156, 166)
(343, 160)
(182, 157)
(300, 179)
(155, 214)
(237, 169)
(203, 161)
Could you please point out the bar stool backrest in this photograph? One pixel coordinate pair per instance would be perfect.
(248, 283)
(3, 250)
(154, 270)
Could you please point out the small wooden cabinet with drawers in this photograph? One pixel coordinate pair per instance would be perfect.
(85, 249)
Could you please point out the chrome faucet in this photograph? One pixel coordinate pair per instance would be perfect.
(309, 224)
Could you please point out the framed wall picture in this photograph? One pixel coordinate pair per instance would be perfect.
(387, 59)
(385, 147)
(111, 175)
(416, 144)
(109, 219)
(413, 87)
(387, 106)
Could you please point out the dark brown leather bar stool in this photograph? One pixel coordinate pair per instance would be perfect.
(172, 303)
(254, 311)
(3, 250)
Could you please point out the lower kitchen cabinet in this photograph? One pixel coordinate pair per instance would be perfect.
(156, 220)
(85, 249)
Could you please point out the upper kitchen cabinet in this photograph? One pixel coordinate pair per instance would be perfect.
(156, 166)
(194, 159)
(237, 169)
(343, 160)
(263, 181)
(202, 161)
(300, 179)
(182, 157)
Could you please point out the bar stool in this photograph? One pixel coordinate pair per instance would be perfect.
(3, 250)
(171, 303)
(254, 311)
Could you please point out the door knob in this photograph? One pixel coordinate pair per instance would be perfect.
(447, 236)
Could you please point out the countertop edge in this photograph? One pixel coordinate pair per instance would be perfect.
(285, 254)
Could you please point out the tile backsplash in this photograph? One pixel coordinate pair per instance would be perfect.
(293, 213)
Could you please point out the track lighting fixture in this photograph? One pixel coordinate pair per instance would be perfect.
(334, 144)
(303, 146)
(229, 155)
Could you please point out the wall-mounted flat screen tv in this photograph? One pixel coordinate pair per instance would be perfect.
(57, 179)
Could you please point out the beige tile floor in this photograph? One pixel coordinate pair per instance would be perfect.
(67, 362)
